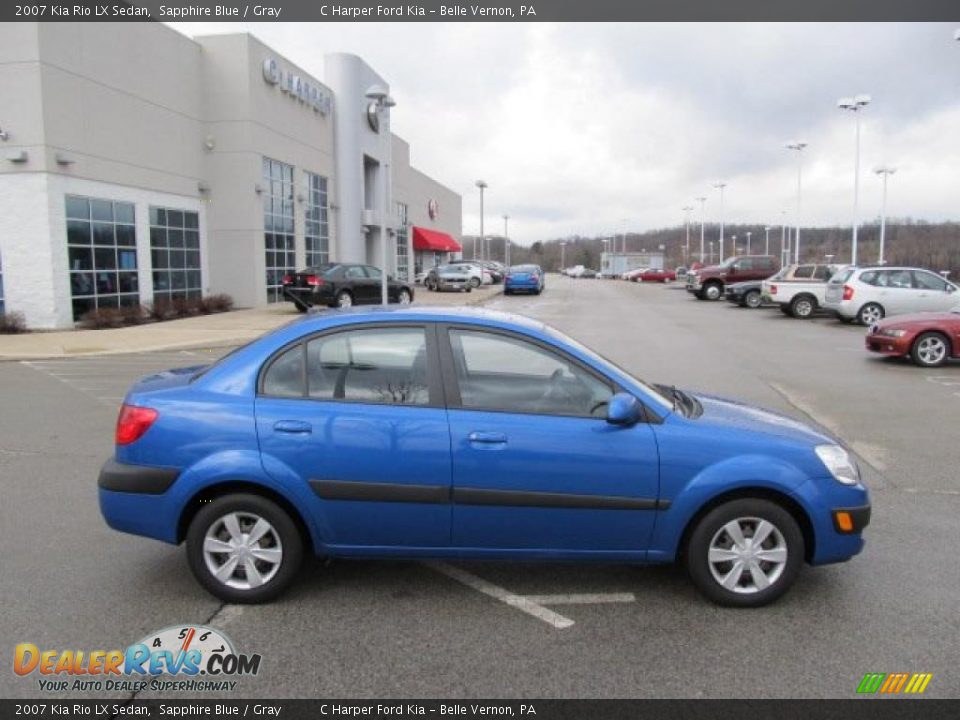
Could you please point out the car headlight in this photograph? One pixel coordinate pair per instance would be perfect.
(839, 463)
(893, 333)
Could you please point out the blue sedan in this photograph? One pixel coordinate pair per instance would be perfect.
(523, 278)
(468, 434)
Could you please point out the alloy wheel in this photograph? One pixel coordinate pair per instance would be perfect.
(871, 314)
(803, 308)
(747, 555)
(931, 350)
(242, 550)
(753, 299)
(344, 300)
(713, 292)
(404, 297)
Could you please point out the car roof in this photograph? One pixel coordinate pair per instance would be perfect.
(421, 313)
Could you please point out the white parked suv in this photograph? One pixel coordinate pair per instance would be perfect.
(869, 294)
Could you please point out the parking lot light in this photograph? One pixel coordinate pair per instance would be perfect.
(720, 186)
(885, 172)
(702, 201)
(798, 146)
(733, 243)
(749, 233)
(767, 247)
(855, 105)
(686, 249)
(483, 186)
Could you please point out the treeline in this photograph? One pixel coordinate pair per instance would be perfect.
(908, 242)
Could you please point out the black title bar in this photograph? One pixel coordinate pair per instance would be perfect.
(483, 10)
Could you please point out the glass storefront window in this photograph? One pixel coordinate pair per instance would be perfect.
(278, 225)
(174, 254)
(316, 233)
(402, 236)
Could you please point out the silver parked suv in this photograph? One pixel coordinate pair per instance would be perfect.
(868, 294)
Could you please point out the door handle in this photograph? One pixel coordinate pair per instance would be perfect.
(293, 426)
(487, 438)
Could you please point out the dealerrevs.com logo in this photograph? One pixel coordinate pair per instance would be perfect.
(185, 657)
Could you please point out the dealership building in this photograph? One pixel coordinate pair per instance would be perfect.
(140, 165)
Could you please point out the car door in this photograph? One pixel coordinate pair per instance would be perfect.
(357, 414)
(359, 284)
(536, 467)
(934, 294)
(895, 291)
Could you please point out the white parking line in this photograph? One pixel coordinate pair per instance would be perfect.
(582, 598)
(498, 593)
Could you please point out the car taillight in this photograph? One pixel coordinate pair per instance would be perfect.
(847, 292)
(287, 280)
(133, 422)
(773, 289)
(314, 280)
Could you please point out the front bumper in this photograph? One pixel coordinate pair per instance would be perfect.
(452, 284)
(823, 498)
(886, 345)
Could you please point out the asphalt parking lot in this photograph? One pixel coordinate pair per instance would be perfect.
(395, 629)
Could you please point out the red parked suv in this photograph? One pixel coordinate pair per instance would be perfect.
(710, 282)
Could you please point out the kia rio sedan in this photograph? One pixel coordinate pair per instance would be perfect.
(439, 433)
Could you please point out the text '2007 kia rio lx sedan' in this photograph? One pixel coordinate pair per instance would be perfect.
(468, 434)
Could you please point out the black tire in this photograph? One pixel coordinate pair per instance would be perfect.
(290, 542)
(752, 299)
(343, 299)
(712, 291)
(925, 357)
(475, 282)
(507, 292)
(711, 526)
(862, 313)
(468, 289)
(431, 287)
(301, 308)
(404, 293)
(802, 307)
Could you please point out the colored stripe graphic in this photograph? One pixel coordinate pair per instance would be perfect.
(894, 683)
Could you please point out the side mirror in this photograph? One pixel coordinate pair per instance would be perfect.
(623, 409)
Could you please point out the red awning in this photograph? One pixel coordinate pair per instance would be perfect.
(424, 239)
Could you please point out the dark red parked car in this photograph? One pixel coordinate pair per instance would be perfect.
(654, 275)
(929, 338)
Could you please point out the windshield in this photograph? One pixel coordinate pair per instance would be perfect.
(659, 396)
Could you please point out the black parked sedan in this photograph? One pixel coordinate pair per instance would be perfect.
(342, 285)
(745, 294)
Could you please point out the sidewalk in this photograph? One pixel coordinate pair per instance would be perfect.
(222, 329)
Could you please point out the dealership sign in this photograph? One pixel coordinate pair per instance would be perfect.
(295, 86)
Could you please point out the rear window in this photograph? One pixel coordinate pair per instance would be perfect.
(823, 272)
(842, 276)
(803, 271)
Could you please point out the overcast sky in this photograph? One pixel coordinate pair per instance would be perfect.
(588, 128)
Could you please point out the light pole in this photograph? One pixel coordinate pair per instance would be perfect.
(712, 243)
(766, 249)
(749, 233)
(798, 146)
(563, 255)
(686, 248)
(703, 219)
(855, 105)
(783, 237)
(721, 186)
(382, 103)
(885, 171)
(483, 186)
(733, 244)
(506, 242)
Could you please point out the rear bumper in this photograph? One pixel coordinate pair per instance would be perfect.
(133, 499)
(840, 309)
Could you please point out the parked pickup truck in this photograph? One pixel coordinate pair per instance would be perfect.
(708, 283)
(802, 289)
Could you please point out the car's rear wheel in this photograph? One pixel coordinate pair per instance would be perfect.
(244, 548)
(869, 314)
(404, 297)
(752, 299)
(930, 349)
(344, 299)
(745, 553)
(802, 306)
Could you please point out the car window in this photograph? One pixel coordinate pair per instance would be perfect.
(869, 277)
(744, 264)
(822, 272)
(354, 272)
(803, 271)
(928, 281)
(498, 372)
(899, 279)
(284, 377)
(375, 365)
(372, 272)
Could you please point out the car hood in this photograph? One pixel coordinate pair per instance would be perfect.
(727, 414)
(924, 317)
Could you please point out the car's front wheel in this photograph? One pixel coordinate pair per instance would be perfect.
(404, 297)
(344, 299)
(745, 553)
(931, 349)
(244, 548)
(475, 282)
(713, 291)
